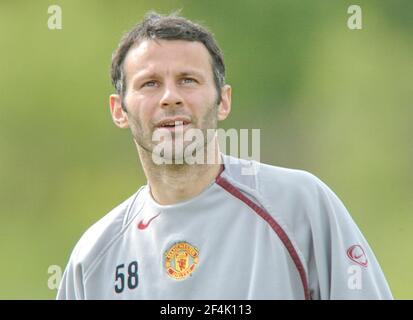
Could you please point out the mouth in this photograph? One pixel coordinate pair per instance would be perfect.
(173, 124)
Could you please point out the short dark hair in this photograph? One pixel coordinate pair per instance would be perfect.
(170, 27)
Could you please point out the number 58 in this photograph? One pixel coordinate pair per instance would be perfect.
(131, 277)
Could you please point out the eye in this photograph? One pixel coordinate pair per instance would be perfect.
(151, 83)
(188, 80)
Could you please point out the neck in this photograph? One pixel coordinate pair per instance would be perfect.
(172, 183)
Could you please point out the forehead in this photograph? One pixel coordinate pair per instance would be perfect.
(167, 56)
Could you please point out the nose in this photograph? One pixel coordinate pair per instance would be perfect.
(171, 97)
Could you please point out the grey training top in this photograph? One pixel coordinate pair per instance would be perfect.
(257, 232)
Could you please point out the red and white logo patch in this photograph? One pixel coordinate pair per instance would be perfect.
(356, 254)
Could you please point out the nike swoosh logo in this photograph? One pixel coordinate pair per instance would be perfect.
(143, 226)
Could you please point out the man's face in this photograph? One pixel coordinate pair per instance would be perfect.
(169, 82)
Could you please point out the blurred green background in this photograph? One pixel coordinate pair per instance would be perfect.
(329, 100)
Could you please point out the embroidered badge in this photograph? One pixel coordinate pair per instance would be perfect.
(180, 260)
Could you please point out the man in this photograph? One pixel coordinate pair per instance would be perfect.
(209, 229)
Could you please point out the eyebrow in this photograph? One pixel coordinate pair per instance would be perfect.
(154, 75)
(191, 73)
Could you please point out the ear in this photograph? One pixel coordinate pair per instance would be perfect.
(224, 107)
(119, 116)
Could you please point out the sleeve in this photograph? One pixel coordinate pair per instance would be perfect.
(71, 286)
(342, 264)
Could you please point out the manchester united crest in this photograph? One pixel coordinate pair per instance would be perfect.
(180, 260)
